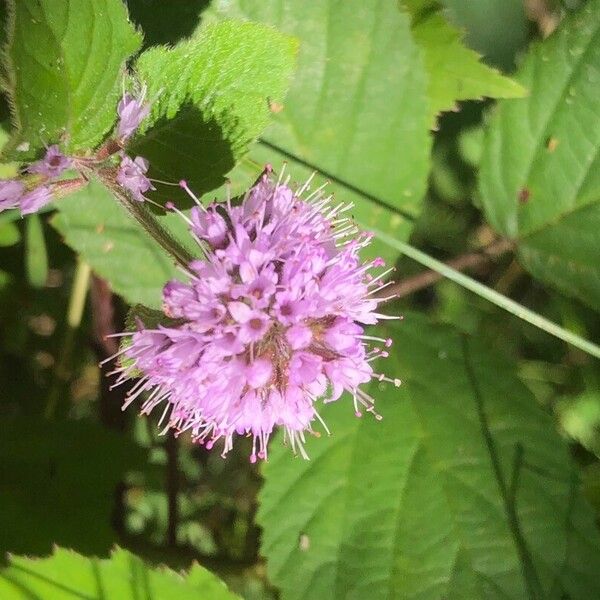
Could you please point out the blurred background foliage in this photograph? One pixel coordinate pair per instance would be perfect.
(391, 104)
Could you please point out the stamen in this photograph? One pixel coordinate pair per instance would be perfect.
(183, 185)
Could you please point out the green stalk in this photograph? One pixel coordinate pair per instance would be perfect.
(140, 212)
(79, 291)
(491, 295)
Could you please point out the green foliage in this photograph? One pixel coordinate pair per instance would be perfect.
(540, 171)
(64, 62)
(36, 255)
(65, 575)
(496, 29)
(455, 72)
(360, 87)
(375, 81)
(211, 99)
(463, 490)
(58, 484)
(115, 246)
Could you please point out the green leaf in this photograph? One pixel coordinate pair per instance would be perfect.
(65, 61)
(9, 234)
(66, 575)
(58, 484)
(497, 29)
(462, 490)
(357, 109)
(211, 99)
(540, 170)
(36, 256)
(96, 227)
(455, 71)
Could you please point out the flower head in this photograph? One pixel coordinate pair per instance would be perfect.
(131, 113)
(269, 321)
(132, 176)
(53, 164)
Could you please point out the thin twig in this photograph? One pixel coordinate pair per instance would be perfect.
(491, 295)
(472, 260)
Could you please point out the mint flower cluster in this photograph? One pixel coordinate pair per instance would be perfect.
(40, 182)
(268, 323)
(36, 189)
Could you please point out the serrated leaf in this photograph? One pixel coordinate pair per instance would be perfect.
(58, 484)
(357, 108)
(36, 256)
(211, 97)
(455, 71)
(97, 228)
(463, 490)
(497, 29)
(64, 61)
(66, 575)
(540, 171)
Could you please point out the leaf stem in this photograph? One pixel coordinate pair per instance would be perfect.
(145, 218)
(491, 295)
(74, 315)
(78, 294)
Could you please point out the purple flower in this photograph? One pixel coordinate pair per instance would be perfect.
(270, 321)
(131, 113)
(53, 164)
(11, 192)
(35, 199)
(132, 176)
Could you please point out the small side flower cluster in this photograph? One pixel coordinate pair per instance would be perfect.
(132, 172)
(32, 192)
(39, 183)
(270, 320)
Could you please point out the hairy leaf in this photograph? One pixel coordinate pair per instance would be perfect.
(65, 575)
(463, 490)
(64, 63)
(540, 171)
(210, 98)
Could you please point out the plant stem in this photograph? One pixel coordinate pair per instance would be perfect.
(143, 216)
(78, 294)
(465, 261)
(74, 314)
(491, 295)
